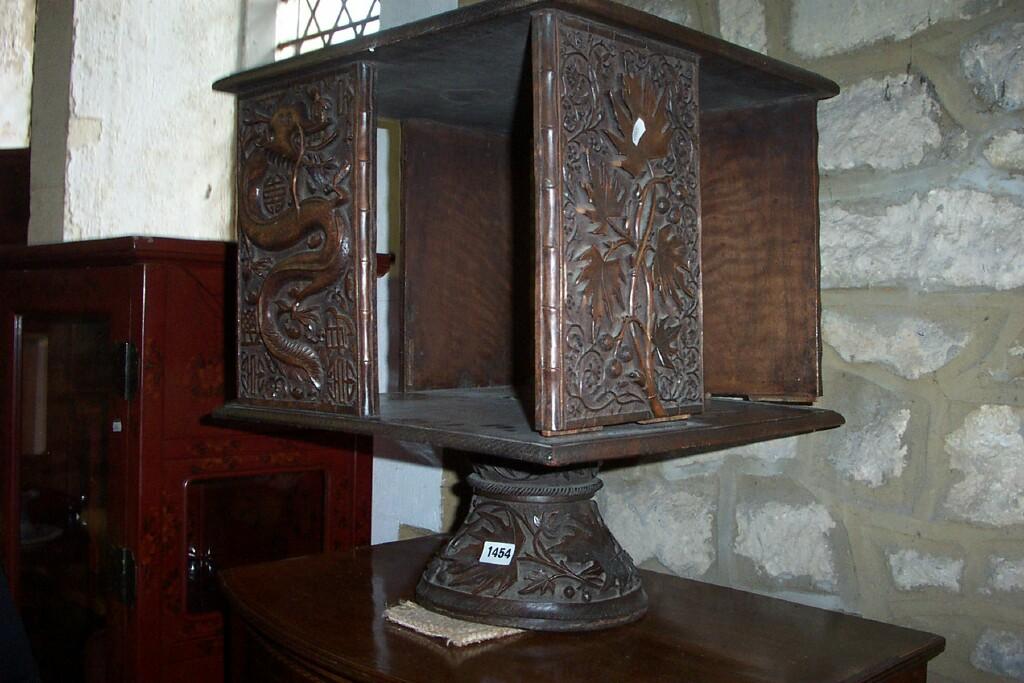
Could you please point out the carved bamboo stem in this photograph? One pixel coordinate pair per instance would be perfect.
(646, 355)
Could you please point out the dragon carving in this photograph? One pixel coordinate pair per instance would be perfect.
(295, 232)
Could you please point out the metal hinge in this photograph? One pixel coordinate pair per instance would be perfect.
(127, 370)
(121, 575)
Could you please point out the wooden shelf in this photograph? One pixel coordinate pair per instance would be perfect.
(493, 421)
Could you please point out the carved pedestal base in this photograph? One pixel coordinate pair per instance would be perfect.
(534, 553)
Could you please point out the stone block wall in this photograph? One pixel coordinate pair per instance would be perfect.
(913, 513)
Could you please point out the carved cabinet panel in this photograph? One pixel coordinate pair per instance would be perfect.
(618, 220)
(306, 295)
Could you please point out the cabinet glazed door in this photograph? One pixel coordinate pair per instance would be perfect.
(306, 262)
(67, 425)
(618, 307)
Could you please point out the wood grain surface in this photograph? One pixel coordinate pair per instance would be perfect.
(320, 618)
(459, 254)
(759, 191)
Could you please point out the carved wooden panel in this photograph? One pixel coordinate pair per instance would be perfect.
(306, 287)
(617, 168)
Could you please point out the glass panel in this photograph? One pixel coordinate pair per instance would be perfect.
(241, 520)
(66, 380)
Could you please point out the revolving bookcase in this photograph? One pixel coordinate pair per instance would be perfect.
(609, 235)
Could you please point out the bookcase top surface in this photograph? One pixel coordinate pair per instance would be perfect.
(467, 66)
(493, 421)
(114, 251)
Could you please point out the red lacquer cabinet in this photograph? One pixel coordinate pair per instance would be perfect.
(120, 500)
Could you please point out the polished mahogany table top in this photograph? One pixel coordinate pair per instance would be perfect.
(326, 610)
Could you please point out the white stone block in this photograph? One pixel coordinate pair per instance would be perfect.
(908, 345)
(993, 62)
(912, 570)
(1001, 653)
(826, 27)
(1006, 150)
(1006, 575)
(787, 541)
(742, 22)
(884, 123)
(769, 452)
(664, 522)
(875, 452)
(872, 447)
(988, 450)
(944, 239)
(766, 452)
(689, 466)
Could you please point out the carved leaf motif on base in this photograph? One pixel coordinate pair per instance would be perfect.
(563, 553)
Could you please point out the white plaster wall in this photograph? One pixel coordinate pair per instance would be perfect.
(406, 477)
(259, 32)
(17, 32)
(149, 147)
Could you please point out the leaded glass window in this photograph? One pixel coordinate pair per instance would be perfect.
(305, 25)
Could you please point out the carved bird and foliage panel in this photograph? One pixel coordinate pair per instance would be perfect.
(616, 123)
(306, 331)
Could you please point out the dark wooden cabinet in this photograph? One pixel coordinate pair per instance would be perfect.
(14, 195)
(120, 500)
